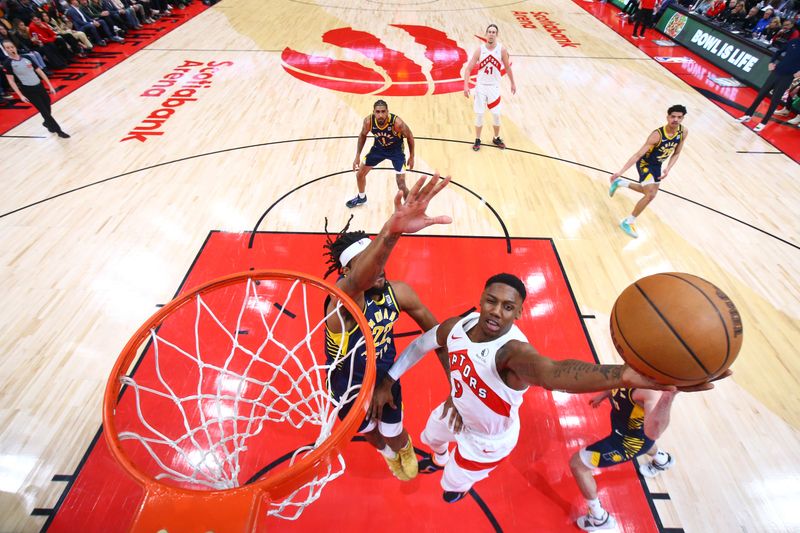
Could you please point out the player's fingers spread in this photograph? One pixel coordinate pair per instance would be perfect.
(415, 189)
(427, 190)
(441, 183)
(442, 219)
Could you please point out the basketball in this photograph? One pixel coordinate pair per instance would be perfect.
(676, 328)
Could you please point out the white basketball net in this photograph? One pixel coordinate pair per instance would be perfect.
(259, 385)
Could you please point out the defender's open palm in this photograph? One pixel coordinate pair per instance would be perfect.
(410, 216)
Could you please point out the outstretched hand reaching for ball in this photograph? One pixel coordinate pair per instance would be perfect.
(409, 215)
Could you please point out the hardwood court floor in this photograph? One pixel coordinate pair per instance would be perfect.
(97, 231)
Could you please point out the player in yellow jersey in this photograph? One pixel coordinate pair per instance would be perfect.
(664, 143)
(638, 418)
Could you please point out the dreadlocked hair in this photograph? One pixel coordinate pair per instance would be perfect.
(336, 246)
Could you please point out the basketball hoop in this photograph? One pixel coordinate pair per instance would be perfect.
(220, 404)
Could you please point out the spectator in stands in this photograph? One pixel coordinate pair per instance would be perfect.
(139, 10)
(794, 101)
(716, 8)
(30, 87)
(96, 10)
(785, 34)
(51, 54)
(32, 55)
(63, 27)
(45, 34)
(142, 8)
(22, 9)
(784, 67)
(772, 28)
(722, 15)
(97, 30)
(116, 7)
(767, 15)
(748, 24)
(662, 8)
(735, 17)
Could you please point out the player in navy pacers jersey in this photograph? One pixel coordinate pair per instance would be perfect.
(359, 261)
(664, 143)
(389, 131)
(638, 418)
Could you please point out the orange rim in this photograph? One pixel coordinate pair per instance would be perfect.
(286, 481)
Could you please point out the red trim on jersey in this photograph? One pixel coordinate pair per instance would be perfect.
(495, 103)
(459, 360)
(473, 466)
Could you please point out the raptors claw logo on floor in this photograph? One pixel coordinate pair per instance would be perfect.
(398, 75)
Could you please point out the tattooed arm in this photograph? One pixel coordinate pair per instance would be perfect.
(520, 365)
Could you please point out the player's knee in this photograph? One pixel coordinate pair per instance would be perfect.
(496, 118)
(575, 462)
(651, 194)
(478, 120)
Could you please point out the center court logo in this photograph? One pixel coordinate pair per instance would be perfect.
(394, 74)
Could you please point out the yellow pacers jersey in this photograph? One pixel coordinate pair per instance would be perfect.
(665, 147)
(382, 314)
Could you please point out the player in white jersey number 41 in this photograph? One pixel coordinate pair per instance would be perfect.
(491, 58)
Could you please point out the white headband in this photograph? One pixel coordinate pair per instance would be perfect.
(353, 250)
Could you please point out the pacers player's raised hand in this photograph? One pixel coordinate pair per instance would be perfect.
(409, 215)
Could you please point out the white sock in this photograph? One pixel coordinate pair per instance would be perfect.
(624, 183)
(440, 458)
(362, 195)
(388, 452)
(595, 509)
(661, 458)
(630, 219)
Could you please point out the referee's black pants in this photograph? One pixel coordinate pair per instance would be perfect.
(779, 83)
(41, 101)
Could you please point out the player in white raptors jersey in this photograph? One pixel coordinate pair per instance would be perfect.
(489, 58)
(491, 367)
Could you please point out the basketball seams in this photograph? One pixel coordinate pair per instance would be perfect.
(719, 314)
(672, 329)
(639, 357)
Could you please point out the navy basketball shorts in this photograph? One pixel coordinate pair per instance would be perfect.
(390, 415)
(378, 154)
(648, 173)
(614, 449)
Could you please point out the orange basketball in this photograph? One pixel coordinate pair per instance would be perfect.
(676, 328)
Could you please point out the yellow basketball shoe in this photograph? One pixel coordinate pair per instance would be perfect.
(408, 459)
(396, 467)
